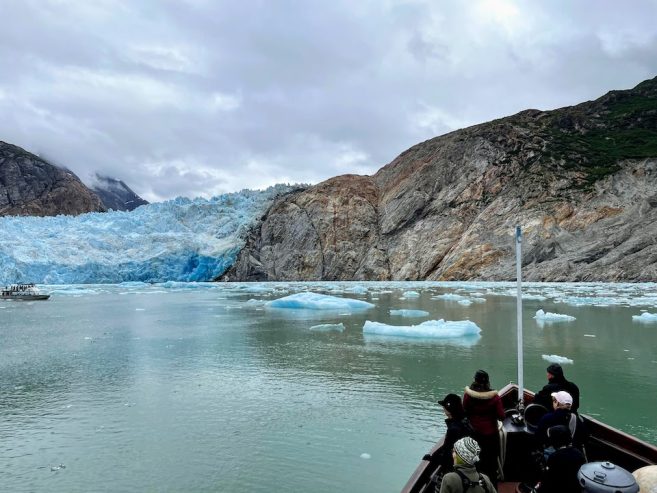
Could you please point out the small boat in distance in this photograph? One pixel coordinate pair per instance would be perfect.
(22, 292)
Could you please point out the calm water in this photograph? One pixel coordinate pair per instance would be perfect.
(181, 388)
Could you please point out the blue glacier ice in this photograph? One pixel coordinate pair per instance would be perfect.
(439, 329)
(179, 240)
(314, 301)
(555, 358)
(645, 317)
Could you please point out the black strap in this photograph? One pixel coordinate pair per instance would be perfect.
(467, 484)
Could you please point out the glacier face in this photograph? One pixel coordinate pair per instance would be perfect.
(177, 240)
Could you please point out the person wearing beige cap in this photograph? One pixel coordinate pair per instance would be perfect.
(466, 478)
(562, 414)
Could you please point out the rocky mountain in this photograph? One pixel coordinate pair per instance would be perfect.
(30, 186)
(581, 181)
(115, 194)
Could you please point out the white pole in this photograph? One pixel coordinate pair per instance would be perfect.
(519, 316)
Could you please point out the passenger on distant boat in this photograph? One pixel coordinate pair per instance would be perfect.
(556, 382)
(560, 475)
(466, 478)
(562, 415)
(483, 407)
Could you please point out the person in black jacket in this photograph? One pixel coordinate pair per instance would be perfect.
(562, 415)
(457, 428)
(560, 474)
(556, 382)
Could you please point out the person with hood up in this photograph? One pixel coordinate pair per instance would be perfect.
(556, 382)
(483, 407)
(466, 478)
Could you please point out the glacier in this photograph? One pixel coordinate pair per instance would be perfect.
(182, 240)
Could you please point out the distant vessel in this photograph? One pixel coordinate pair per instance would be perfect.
(22, 292)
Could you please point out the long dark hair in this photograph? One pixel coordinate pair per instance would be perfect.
(481, 381)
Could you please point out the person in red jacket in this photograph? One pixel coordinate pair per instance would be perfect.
(483, 407)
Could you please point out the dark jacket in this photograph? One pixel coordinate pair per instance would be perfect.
(561, 417)
(456, 429)
(555, 384)
(483, 409)
(561, 471)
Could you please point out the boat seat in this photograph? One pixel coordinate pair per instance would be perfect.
(533, 414)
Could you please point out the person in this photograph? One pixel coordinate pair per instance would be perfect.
(483, 407)
(457, 428)
(556, 382)
(465, 478)
(561, 415)
(560, 475)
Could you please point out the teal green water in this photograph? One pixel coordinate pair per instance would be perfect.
(136, 388)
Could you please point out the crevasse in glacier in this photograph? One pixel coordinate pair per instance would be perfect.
(177, 240)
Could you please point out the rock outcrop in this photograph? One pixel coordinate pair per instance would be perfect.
(581, 181)
(115, 194)
(30, 186)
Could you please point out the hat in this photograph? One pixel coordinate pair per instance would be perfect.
(559, 436)
(555, 369)
(468, 450)
(481, 377)
(563, 397)
(452, 403)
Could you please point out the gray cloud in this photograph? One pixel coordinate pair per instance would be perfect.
(202, 97)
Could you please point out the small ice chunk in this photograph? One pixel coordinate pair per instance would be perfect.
(552, 317)
(554, 358)
(365, 455)
(411, 294)
(448, 297)
(439, 329)
(590, 335)
(645, 317)
(140, 309)
(327, 327)
(464, 302)
(356, 290)
(409, 313)
(314, 301)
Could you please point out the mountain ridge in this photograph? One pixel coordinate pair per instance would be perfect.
(580, 180)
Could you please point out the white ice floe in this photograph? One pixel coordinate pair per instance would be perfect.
(365, 455)
(409, 313)
(465, 302)
(439, 329)
(411, 294)
(356, 289)
(328, 328)
(449, 297)
(314, 301)
(552, 317)
(554, 358)
(645, 317)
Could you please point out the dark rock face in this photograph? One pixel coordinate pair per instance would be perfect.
(116, 195)
(30, 186)
(581, 181)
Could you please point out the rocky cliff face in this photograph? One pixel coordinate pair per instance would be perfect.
(116, 195)
(581, 181)
(29, 186)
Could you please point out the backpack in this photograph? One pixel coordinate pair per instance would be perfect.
(467, 483)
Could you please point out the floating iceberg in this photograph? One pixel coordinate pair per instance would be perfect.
(179, 240)
(645, 317)
(411, 294)
(439, 329)
(409, 313)
(449, 297)
(328, 327)
(552, 317)
(465, 302)
(554, 358)
(314, 301)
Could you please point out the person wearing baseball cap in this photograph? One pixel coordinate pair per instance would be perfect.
(457, 427)
(562, 414)
(557, 382)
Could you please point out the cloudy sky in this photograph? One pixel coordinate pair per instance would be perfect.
(201, 97)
